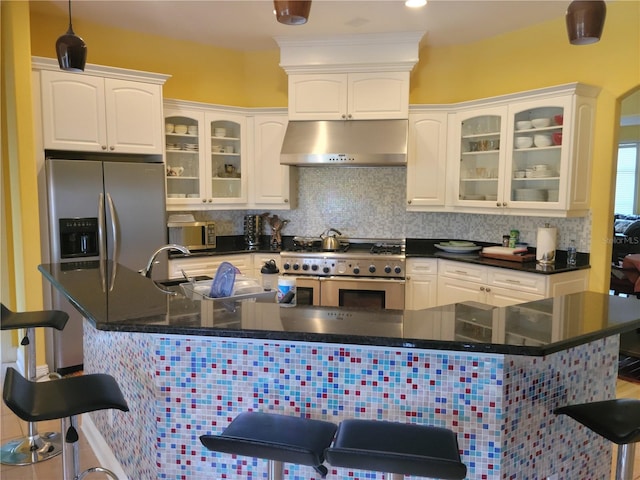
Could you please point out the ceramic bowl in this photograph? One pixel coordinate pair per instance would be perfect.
(523, 125)
(558, 119)
(180, 129)
(542, 140)
(557, 138)
(540, 122)
(524, 142)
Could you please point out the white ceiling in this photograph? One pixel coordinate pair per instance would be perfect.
(251, 24)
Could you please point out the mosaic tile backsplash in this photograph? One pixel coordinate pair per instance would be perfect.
(179, 388)
(370, 203)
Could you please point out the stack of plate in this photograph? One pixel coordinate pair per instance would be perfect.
(173, 146)
(541, 173)
(530, 195)
(193, 147)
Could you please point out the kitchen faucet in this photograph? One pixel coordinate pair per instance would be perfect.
(146, 271)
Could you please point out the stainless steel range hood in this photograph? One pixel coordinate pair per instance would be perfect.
(350, 142)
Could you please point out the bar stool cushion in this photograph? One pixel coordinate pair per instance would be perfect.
(274, 437)
(38, 401)
(46, 318)
(617, 420)
(397, 448)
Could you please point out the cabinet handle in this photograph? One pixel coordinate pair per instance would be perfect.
(517, 282)
(504, 204)
(461, 272)
(286, 200)
(104, 147)
(349, 116)
(482, 289)
(409, 202)
(498, 204)
(344, 117)
(408, 277)
(112, 148)
(487, 289)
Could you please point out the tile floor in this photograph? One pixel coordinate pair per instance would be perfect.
(12, 427)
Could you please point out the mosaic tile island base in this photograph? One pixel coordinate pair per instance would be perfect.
(180, 387)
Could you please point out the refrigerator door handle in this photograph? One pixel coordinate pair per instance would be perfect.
(114, 229)
(101, 242)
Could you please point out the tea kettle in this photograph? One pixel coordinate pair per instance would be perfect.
(330, 243)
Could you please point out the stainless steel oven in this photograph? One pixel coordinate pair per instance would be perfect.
(368, 274)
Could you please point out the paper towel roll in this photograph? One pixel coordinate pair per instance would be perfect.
(546, 245)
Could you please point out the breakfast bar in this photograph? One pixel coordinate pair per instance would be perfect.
(188, 366)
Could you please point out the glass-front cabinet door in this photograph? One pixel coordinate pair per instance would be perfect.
(481, 152)
(183, 133)
(226, 176)
(538, 160)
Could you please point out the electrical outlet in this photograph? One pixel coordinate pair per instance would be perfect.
(110, 418)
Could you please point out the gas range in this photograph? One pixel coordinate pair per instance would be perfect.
(373, 258)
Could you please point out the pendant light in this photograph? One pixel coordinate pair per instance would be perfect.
(292, 12)
(71, 50)
(585, 21)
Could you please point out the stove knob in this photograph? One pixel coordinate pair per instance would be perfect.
(356, 270)
(397, 270)
(296, 266)
(326, 269)
(286, 266)
(305, 267)
(372, 268)
(314, 267)
(387, 269)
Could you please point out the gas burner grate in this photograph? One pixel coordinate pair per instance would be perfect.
(386, 249)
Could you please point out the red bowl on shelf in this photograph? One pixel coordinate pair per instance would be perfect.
(558, 119)
(556, 137)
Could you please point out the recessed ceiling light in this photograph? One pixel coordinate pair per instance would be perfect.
(415, 3)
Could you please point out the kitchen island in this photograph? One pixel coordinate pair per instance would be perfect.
(493, 375)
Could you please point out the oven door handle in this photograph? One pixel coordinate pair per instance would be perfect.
(400, 281)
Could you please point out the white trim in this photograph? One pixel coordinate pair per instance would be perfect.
(103, 453)
(630, 120)
(350, 53)
(44, 63)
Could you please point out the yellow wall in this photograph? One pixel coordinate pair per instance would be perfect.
(534, 57)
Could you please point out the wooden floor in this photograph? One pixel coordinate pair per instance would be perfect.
(13, 427)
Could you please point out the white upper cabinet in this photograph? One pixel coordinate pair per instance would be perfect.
(271, 185)
(206, 157)
(525, 153)
(349, 96)
(427, 160)
(89, 113)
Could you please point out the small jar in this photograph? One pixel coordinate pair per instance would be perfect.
(505, 240)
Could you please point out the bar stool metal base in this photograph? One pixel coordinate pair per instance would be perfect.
(31, 450)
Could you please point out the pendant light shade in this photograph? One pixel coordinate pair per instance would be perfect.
(585, 21)
(292, 12)
(71, 50)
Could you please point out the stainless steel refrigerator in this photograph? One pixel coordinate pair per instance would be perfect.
(100, 210)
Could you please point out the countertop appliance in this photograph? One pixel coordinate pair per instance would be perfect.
(99, 210)
(366, 273)
(192, 234)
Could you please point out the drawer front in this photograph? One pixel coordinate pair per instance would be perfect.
(463, 271)
(525, 282)
(422, 266)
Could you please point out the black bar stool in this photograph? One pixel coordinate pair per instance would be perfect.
(277, 438)
(397, 448)
(35, 447)
(618, 421)
(64, 399)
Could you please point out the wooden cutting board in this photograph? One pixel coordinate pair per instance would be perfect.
(527, 257)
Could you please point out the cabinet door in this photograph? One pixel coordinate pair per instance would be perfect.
(383, 95)
(317, 96)
(421, 292)
(478, 137)
(427, 160)
(538, 169)
(271, 182)
(226, 174)
(185, 157)
(134, 117)
(452, 290)
(73, 112)
(502, 297)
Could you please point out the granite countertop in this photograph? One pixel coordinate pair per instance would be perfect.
(415, 248)
(115, 298)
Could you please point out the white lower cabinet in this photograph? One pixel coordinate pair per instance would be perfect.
(459, 282)
(421, 287)
(194, 266)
